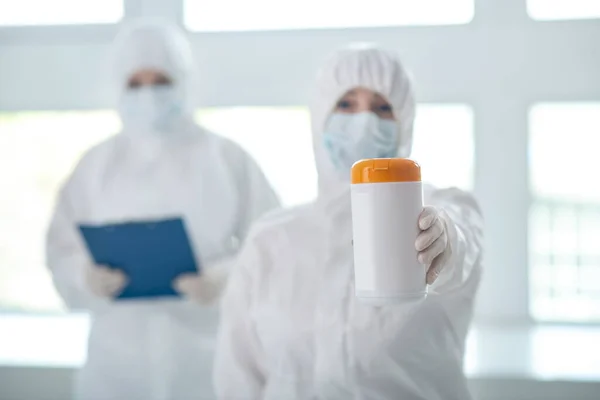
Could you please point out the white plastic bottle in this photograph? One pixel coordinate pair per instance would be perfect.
(387, 199)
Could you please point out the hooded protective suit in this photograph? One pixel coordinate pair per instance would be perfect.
(153, 349)
(291, 327)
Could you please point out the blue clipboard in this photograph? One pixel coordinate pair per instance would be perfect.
(151, 253)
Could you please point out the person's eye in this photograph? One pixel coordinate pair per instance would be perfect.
(385, 108)
(162, 82)
(133, 85)
(344, 104)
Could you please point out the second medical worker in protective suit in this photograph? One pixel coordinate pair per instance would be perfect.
(291, 327)
(161, 165)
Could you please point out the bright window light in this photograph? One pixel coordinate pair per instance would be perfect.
(444, 144)
(280, 141)
(565, 215)
(563, 9)
(278, 138)
(38, 150)
(59, 12)
(257, 15)
(563, 152)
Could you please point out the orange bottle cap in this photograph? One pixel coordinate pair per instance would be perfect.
(382, 170)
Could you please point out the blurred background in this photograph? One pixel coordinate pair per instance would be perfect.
(509, 107)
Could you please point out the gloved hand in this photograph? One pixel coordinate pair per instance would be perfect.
(203, 288)
(433, 243)
(104, 281)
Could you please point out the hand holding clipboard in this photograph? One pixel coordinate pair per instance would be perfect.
(152, 254)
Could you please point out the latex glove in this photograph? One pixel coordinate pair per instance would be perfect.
(433, 243)
(104, 281)
(203, 288)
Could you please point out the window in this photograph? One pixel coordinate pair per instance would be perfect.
(240, 15)
(59, 12)
(278, 138)
(565, 215)
(563, 9)
(280, 141)
(37, 152)
(444, 145)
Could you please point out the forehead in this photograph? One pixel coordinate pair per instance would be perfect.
(148, 73)
(361, 93)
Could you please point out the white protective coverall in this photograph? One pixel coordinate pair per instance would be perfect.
(291, 327)
(154, 349)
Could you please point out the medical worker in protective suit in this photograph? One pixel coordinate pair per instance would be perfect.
(291, 327)
(161, 165)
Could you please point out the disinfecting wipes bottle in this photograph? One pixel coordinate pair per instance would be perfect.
(387, 199)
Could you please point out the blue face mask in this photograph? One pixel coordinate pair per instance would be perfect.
(150, 109)
(352, 137)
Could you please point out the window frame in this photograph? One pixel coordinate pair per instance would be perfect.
(554, 202)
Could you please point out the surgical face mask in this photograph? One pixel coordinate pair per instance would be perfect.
(150, 109)
(352, 137)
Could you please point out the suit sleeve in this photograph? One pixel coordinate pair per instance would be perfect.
(464, 221)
